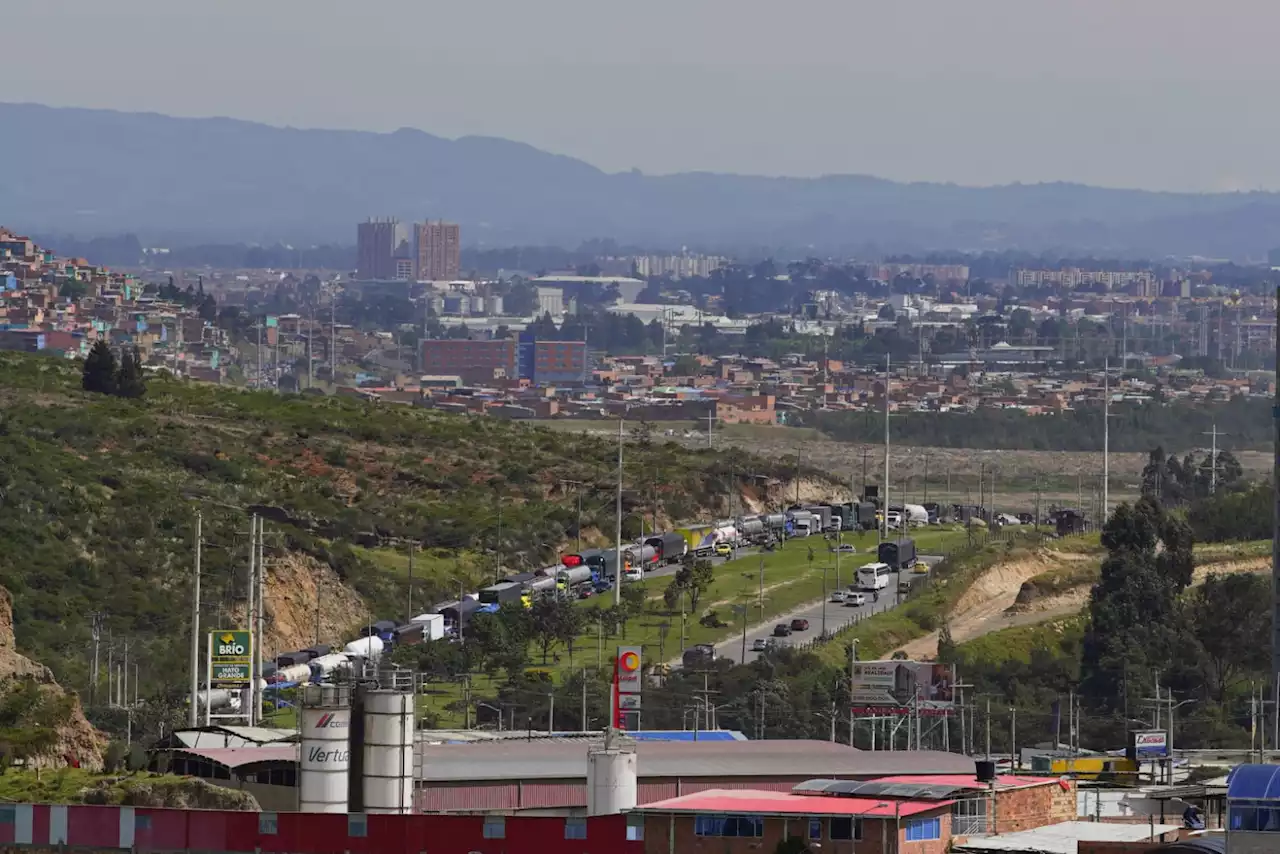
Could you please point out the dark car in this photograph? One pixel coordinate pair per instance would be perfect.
(799, 625)
(781, 630)
(586, 591)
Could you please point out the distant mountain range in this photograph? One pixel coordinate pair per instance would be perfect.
(98, 172)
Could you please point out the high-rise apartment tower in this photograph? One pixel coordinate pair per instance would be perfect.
(438, 250)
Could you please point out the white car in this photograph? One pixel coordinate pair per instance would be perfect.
(847, 549)
(855, 600)
(633, 574)
(839, 596)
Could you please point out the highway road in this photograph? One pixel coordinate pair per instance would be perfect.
(837, 616)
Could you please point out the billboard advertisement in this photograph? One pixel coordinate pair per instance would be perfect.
(1149, 744)
(898, 687)
(230, 657)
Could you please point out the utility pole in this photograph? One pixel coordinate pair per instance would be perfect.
(578, 485)
(797, 476)
(1213, 460)
(95, 628)
(1106, 438)
(258, 626)
(926, 479)
(193, 718)
(711, 420)
(412, 548)
(584, 699)
(258, 384)
(617, 542)
(311, 331)
(1013, 737)
(886, 446)
(988, 727)
(250, 718)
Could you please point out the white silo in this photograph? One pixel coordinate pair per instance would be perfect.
(611, 776)
(325, 758)
(388, 751)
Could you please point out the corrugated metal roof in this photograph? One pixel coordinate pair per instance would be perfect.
(775, 803)
(970, 781)
(233, 736)
(1064, 838)
(553, 759)
(234, 757)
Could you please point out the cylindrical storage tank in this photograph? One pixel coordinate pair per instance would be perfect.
(985, 770)
(775, 521)
(325, 665)
(611, 780)
(292, 673)
(369, 647)
(218, 698)
(326, 748)
(388, 752)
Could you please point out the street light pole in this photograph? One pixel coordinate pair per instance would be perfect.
(193, 718)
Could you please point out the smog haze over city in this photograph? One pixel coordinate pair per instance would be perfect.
(843, 420)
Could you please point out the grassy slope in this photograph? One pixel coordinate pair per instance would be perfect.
(98, 498)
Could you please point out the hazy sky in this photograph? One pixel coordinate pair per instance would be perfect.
(1162, 94)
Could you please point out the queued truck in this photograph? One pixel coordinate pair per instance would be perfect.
(602, 562)
(822, 513)
(701, 539)
(802, 522)
(751, 529)
(898, 554)
(671, 547)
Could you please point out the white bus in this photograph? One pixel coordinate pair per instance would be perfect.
(874, 576)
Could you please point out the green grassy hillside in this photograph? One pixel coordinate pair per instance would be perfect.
(98, 498)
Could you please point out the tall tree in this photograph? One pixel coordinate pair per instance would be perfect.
(130, 381)
(1228, 615)
(1134, 623)
(99, 370)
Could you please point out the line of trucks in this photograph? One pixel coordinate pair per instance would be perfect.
(577, 576)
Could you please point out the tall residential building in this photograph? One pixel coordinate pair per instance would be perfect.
(378, 241)
(438, 250)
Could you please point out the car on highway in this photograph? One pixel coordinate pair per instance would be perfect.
(920, 568)
(847, 549)
(837, 596)
(904, 588)
(723, 550)
(759, 645)
(799, 625)
(634, 573)
(703, 653)
(781, 630)
(855, 600)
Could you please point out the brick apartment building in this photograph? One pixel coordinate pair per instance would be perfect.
(437, 248)
(542, 362)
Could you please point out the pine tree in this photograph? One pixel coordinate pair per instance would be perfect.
(130, 382)
(99, 370)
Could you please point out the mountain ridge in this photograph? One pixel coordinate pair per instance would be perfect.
(97, 172)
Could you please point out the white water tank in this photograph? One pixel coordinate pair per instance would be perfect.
(369, 647)
(388, 752)
(325, 749)
(611, 777)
